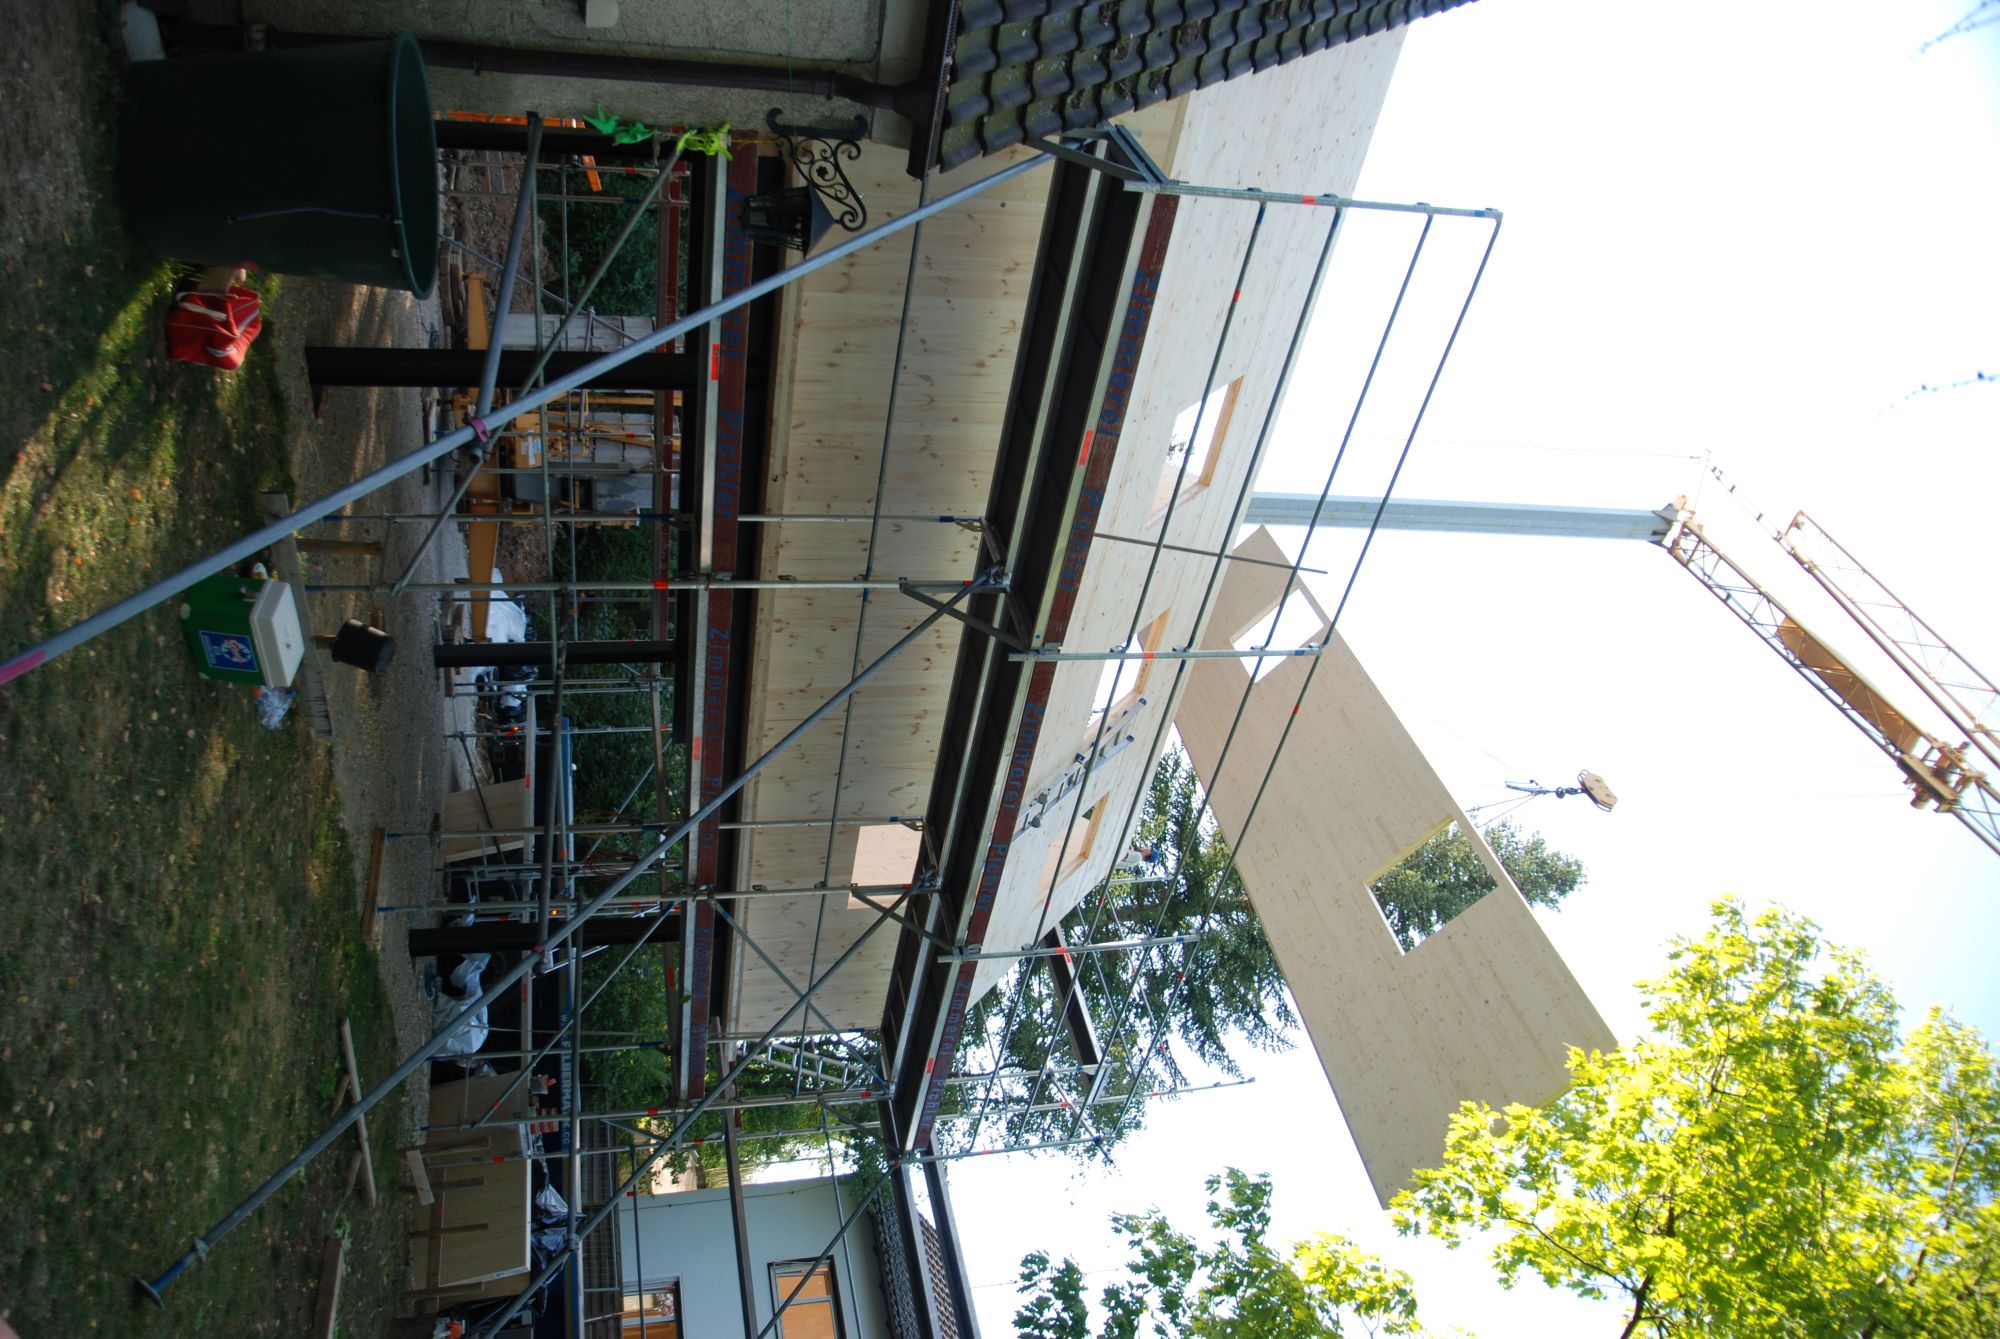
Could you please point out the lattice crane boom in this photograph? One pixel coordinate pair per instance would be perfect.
(1936, 769)
(1953, 684)
(1956, 776)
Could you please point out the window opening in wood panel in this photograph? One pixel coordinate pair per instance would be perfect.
(1436, 883)
(1299, 623)
(1196, 437)
(1121, 682)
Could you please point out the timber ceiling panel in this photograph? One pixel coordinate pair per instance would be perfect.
(829, 419)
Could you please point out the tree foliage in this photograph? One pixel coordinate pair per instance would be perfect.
(1151, 1007)
(1237, 1287)
(630, 286)
(1766, 1163)
(1445, 875)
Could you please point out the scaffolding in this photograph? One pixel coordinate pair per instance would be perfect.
(559, 885)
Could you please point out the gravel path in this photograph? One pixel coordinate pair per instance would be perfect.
(393, 761)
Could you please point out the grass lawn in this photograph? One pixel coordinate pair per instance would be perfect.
(179, 933)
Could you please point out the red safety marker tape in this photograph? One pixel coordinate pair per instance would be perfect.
(1083, 457)
(15, 669)
(1309, 199)
(715, 362)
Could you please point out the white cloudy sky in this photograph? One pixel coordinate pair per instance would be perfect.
(1741, 237)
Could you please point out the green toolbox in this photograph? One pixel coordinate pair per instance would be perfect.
(243, 630)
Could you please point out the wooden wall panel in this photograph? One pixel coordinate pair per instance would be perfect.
(836, 361)
(1484, 1009)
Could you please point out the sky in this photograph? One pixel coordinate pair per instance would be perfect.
(1740, 245)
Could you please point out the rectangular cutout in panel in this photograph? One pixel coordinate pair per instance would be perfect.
(1435, 884)
(1122, 681)
(1196, 437)
(1078, 847)
(884, 853)
(1299, 623)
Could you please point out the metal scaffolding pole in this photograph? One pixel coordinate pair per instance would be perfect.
(739, 1224)
(636, 587)
(229, 555)
(1334, 202)
(1095, 751)
(207, 1241)
(1333, 619)
(673, 1139)
(1292, 578)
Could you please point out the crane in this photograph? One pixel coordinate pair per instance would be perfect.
(1953, 773)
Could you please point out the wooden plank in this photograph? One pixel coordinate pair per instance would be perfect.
(484, 1230)
(482, 543)
(499, 804)
(372, 891)
(1484, 1009)
(420, 1180)
(326, 1310)
(360, 1122)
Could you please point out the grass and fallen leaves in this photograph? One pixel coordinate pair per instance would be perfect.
(178, 929)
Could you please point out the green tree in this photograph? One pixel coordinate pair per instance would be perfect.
(1148, 1006)
(1767, 1162)
(1445, 875)
(1141, 1001)
(1239, 1287)
(630, 286)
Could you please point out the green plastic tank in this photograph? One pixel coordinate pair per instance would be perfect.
(317, 160)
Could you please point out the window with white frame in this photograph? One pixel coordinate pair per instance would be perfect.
(815, 1312)
(654, 1312)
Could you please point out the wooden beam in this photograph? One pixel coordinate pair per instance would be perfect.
(331, 1266)
(372, 890)
(420, 1180)
(361, 1122)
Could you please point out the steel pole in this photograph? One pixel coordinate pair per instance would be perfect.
(632, 218)
(673, 1139)
(524, 209)
(229, 555)
(203, 1244)
(1293, 198)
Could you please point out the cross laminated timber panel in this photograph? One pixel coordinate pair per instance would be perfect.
(1484, 1009)
(831, 416)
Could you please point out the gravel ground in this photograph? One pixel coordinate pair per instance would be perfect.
(392, 758)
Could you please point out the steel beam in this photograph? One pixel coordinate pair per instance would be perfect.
(1481, 518)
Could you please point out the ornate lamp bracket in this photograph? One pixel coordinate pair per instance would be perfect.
(816, 152)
